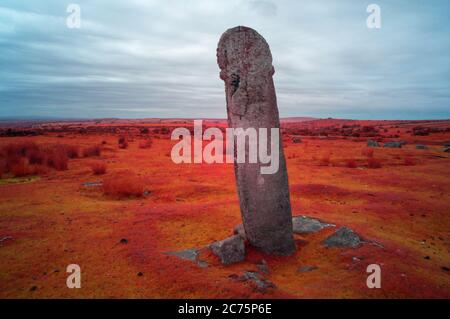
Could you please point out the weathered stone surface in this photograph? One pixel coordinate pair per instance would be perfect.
(230, 250)
(306, 225)
(246, 68)
(372, 143)
(394, 144)
(343, 237)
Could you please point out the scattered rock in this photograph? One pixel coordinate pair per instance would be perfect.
(306, 225)
(140, 274)
(394, 144)
(124, 241)
(300, 225)
(343, 237)
(421, 147)
(239, 230)
(447, 150)
(261, 283)
(33, 288)
(5, 239)
(92, 184)
(445, 268)
(187, 254)
(372, 143)
(263, 267)
(307, 268)
(230, 250)
(191, 255)
(427, 257)
(296, 140)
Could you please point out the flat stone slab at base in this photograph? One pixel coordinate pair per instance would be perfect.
(307, 225)
(343, 237)
(230, 250)
(300, 225)
(191, 255)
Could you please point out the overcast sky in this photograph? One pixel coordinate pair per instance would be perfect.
(143, 58)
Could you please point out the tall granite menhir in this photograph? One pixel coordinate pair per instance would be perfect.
(246, 68)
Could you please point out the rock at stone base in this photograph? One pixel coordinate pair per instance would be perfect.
(447, 150)
(372, 143)
(230, 250)
(307, 268)
(191, 255)
(421, 147)
(262, 267)
(300, 225)
(343, 237)
(306, 225)
(239, 230)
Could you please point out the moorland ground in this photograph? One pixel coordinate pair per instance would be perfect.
(106, 195)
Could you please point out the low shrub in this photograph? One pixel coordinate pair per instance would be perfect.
(368, 152)
(351, 163)
(147, 143)
(123, 185)
(122, 142)
(22, 168)
(72, 151)
(98, 168)
(57, 158)
(91, 151)
(324, 160)
(373, 163)
(408, 161)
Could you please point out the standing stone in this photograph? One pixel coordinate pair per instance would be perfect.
(246, 68)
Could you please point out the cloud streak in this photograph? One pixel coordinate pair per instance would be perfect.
(157, 58)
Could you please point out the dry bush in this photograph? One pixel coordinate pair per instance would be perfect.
(14, 158)
(373, 163)
(98, 168)
(19, 149)
(72, 151)
(28, 158)
(123, 185)
(368, 152)
(147, 143)
(22, 168)
(122, 142)
(408, 161)
(324, 160)
(90, 151)
(351, 163)
(57, 158)
(36, 156)
(2, 167)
